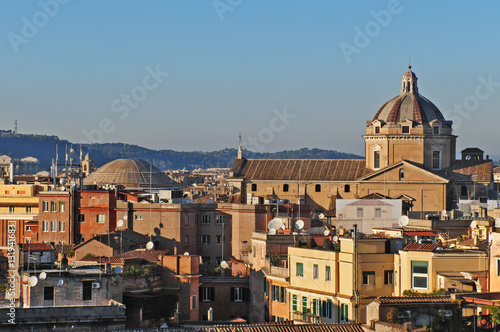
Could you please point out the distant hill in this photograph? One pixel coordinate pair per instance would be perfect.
(43, 147)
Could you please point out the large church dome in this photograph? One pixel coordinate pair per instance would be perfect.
(131, 173)
(409, 105)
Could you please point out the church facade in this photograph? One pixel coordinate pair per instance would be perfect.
(410, 153)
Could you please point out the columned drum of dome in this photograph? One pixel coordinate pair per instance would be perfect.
(130, 173)
(409, 127)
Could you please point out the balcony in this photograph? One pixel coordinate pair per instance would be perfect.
(306, 318)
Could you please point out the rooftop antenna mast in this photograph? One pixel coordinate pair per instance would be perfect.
(15, 127)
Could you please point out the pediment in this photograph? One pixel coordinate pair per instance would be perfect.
(403, 171)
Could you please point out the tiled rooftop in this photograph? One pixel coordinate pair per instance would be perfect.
(309, 169)
(287, 327)
(36, 247)
(414, 299)
(149, 255)
(421, 247)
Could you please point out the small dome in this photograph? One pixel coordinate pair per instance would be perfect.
(130, 173)
(409, 105)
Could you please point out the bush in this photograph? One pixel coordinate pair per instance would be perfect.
(328, 245)
(311, 244)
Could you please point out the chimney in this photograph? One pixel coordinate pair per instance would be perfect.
(175, 250)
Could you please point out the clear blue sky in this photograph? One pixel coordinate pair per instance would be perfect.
(230, 63)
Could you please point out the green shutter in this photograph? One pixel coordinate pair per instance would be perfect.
(304, 304)
(314, 307)
(419, 263)
(294, 303)
(300, 270)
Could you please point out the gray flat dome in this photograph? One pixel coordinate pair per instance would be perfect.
(130, 173)
(409, 105)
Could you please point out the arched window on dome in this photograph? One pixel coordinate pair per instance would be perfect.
(376, 151)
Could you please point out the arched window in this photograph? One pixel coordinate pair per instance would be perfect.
(401, 174)
(254, 186)
(436, 151)
(285, 188)
(376, 150)
(318, 188)
(347, 188)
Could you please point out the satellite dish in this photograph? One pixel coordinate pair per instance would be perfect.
(299, 224)
(60, 282)
(117, 270)
(119, 223)
(150, 245)
(335, 238)
(224, 265)
(210, 200)
(443, 213)
(42, 276)
(272, 231)
(62, 181)
(321, 216)
(473, 224)
(125, 217)
(326, 232)
(62, 188)
(275, 223)
(497, 222)
(186, 253)
(403, 221)
(32, 281)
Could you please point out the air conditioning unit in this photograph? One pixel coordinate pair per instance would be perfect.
(96, 285)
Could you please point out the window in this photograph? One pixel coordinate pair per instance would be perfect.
(300, 270)
(276, 293)
(87, 290)
(220, 219)
(186, 240)
(218, 261)
(294, 302)
(359, 212)
(80, 238)
(315, 271)
(369, 278)
(101, 218)
(347, 188)
(498, 267)
(436, 159)
(220, 239)
(62, 206)
(317, 188)
(254, 186)
(48, 293)
(205, 260)
(11, 209)
(62, 226)
(316, 307)
(54, 226)
(45, 206)
(378, 212)
(186, 220)
(327, 309)
(207, 293)
(405, 129)
(283, 294)
(376, 159)
(45, 226)
(304, 304)
(193, 302)
(344, 310)
(388, 277)
(377, 130)
(205, 239)
(328, 274)
(138, 217)
(419, 274)
(205, 219)
(27, 228)
(239, 294)
(436, 130)
(53, 206)
(285, 188)
(28, 209)
(401, 174)
(81, 218)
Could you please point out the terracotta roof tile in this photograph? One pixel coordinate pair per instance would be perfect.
(465, 169)
(310, 169)
(421, 246)
(287, 327)
(414, 299)
(112, 260)
(36, 246)
(149, 255)
(419, 233)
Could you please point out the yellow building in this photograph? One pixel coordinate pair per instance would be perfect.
(19, 210)
(409, 150)
(419, 267)
(331, 287)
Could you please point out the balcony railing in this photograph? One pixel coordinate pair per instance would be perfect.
(306, 317)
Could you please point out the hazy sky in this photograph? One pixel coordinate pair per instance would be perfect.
(191, 75)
